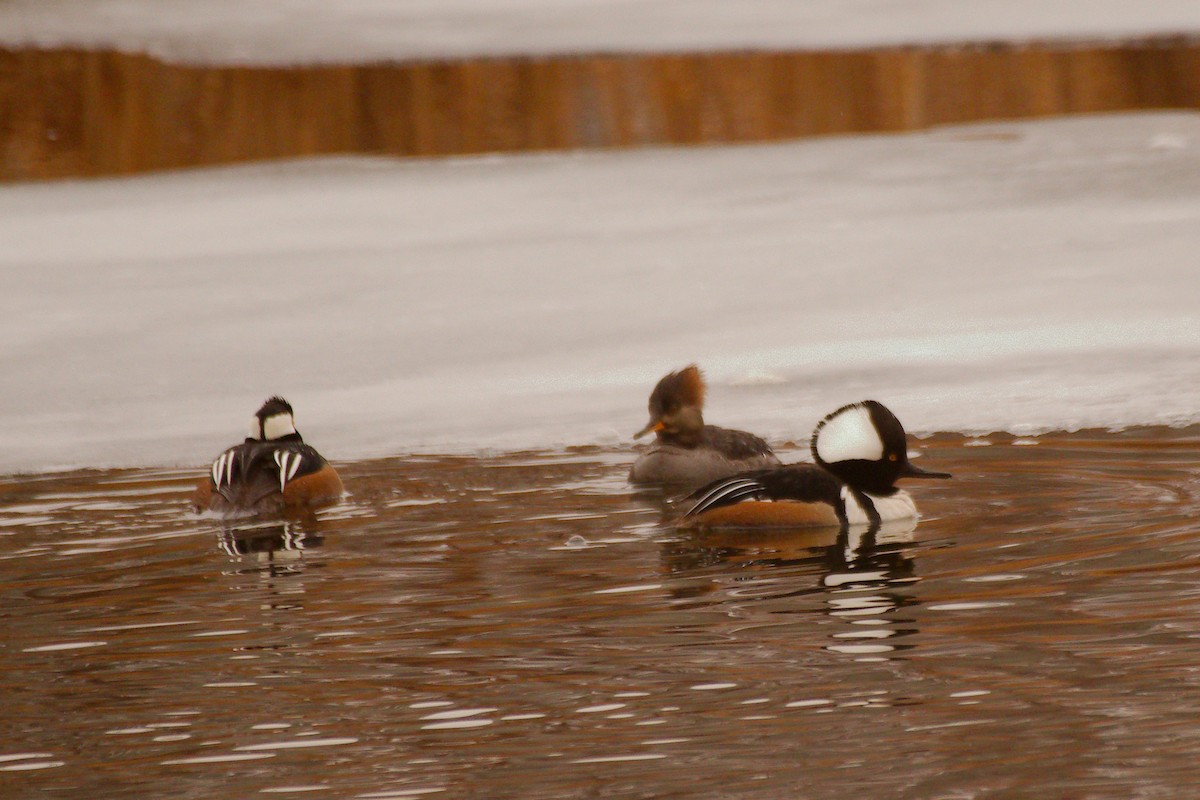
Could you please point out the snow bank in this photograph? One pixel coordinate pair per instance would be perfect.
(285, 31)
(1016, 276)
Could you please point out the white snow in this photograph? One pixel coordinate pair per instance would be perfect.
(1005, 276)
(286, 31)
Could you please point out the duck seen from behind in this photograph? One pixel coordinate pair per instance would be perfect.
(272, 471)
(860, 452)
(687, 451)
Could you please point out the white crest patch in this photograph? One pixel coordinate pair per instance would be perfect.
(849, 435)
(277, 426)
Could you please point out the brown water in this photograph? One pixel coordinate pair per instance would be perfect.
(526, 626)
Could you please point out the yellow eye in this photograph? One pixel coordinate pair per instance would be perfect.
(892, 457)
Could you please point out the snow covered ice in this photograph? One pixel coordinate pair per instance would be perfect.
(1005, 276)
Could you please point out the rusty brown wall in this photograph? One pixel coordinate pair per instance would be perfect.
(82, 113)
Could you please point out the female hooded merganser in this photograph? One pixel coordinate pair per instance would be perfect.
(272, 471)
(860, 451)
(687, 451)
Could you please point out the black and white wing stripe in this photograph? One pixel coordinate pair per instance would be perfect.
(806, 483)
(726, 493)
(289, 464)
(222, 469)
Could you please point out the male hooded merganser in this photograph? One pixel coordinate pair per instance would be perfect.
(272, 471)
(860, 451)
(687, 451)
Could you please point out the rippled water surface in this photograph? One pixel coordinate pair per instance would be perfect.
(527, 626)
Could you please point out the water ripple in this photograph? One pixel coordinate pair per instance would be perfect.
(529, 626)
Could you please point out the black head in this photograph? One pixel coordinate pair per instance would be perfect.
(864, 445)
(274, 420)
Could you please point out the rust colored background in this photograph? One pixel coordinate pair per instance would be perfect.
(83, 113)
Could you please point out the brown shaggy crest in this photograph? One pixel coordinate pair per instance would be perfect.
(678, 389)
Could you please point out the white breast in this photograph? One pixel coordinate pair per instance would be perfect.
(898, 506)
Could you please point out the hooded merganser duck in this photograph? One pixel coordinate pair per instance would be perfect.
(860, 453)
(687, 451)
(272, 471)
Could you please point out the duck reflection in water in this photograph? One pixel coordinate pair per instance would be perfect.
(836, 556)
(271, 544)
(872, 581)
(859, 575)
